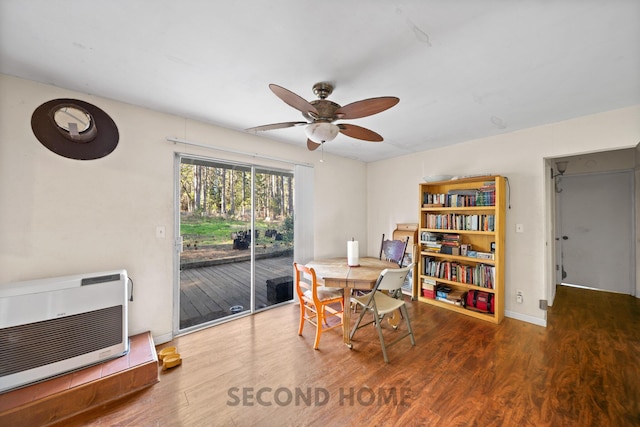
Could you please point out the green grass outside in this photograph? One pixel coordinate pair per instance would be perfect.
(217, 231)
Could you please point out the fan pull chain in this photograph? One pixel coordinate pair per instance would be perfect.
(322, 152)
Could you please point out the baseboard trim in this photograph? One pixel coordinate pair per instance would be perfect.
(161, 339)
(529, 319)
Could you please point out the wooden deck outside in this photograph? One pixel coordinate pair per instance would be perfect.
(208, 293)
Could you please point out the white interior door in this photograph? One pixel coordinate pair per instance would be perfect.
(596, 231)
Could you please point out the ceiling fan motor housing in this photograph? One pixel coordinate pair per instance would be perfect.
(326, 110)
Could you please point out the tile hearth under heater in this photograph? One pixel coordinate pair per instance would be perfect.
(58, 398)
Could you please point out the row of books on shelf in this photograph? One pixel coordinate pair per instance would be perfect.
(451, 244)
(484, 196)
(448, 250)
(482, 275)
(453, 221)
(478, 301)
(430, 289)
(439, 242)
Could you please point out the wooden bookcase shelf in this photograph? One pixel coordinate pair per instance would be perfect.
(479, 229)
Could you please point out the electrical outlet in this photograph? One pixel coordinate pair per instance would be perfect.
(519, 297)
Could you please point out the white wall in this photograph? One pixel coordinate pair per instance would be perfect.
(60, 216)
(520, 157)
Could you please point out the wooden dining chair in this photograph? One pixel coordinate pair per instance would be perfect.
(317, 303)
(379, 303)
(393, 250)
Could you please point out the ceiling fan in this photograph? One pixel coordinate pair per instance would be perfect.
(321, 113)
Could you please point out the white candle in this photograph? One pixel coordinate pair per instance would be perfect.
(353, 253)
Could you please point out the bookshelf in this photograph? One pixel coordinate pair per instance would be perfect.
(461, 240)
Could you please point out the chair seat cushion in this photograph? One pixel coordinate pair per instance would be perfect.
(325, 293)
(384, 303)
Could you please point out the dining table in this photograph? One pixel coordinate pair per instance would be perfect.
(337, 273)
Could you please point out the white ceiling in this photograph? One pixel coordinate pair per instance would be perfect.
(462, 69)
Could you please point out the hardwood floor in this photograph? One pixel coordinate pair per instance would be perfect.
(582, 370)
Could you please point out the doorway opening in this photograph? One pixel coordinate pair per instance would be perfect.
(592, 217)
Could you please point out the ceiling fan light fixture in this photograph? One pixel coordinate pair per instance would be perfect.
(321, 132)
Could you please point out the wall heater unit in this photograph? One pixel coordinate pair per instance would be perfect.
(52, 326)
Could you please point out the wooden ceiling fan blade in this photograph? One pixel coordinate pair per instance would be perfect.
(275, 126)
(366, 107)
(359, 132)
(296, 101)
(312, 145)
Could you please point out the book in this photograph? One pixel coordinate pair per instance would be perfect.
(455, 295)
(428, 284)
(448, 301)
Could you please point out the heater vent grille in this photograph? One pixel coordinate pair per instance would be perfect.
(38, 344)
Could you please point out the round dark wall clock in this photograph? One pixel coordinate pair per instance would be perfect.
(74, 129)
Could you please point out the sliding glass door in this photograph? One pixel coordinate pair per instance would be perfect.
(236, 229)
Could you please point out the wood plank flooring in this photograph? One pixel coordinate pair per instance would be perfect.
(208, 293)
(582, 370)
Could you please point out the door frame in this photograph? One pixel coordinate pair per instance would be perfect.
(177, 246)
(552, 223)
